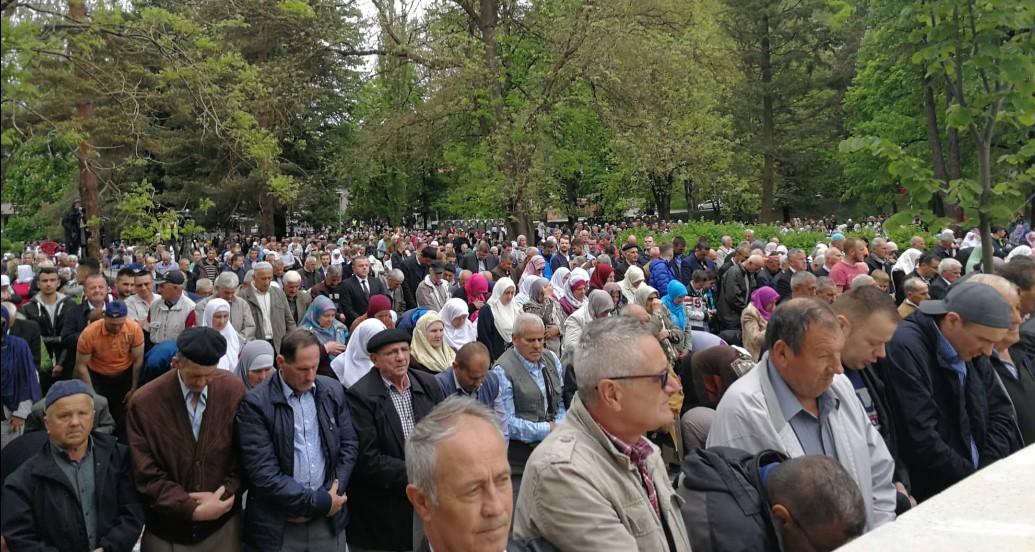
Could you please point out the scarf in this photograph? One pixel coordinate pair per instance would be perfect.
(503, 315)
(601, 276)
(1020, 250)
(466, 333)
(537, 303)
(611, 288)
(907, 261)
(761, 297)
(534, 267)
(233, 341)
(633, 274)
(559, 282)
(354, 363)
(599, 302)
(437, 359)
(578, 278)
(676, 312)
(311, 321)
(476, 287)
(256, 355)
(643, 294)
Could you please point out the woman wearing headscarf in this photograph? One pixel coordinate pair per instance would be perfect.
(904, 266)
(602, 274)
(477, 289)
(673, 340)
(575, 291)
(256, 363)
(597, 305)
(459, 328)
(217, 317)
(673, 300)
(355, 362)
(558, 282)
(321, 319)
(428, 349)
(1019, 251)
(19, 382)
(633, 279)
(533, 268)
(540, 303)
(615, 291)
(379, 307)
(496, 318)
(755, 319)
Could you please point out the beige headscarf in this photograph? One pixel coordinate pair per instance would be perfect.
(436, 359)
(633, 274)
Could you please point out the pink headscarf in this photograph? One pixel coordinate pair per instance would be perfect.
(761, 298)
(477, 288)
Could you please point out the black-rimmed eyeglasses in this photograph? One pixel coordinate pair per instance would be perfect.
(661, 377)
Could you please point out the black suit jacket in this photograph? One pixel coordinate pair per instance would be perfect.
(354, 301)
(938, 288)
(470, 262)
(382, 517)
(782, 284)
(413, 273)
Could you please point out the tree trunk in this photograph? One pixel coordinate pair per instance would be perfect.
(934, 138)
(87, 176)
(768, 127)
(688, 191)
(984, 163)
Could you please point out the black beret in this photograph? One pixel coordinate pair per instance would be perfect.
(201, 345)
(387, 337)
(629, 246)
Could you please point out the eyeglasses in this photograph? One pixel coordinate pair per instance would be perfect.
(808, 537)
(661, 377)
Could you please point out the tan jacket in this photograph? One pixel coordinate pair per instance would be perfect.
(753, 327)
(905, 309)
(580, 494)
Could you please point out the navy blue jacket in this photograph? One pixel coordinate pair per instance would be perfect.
(690, 264)
(266, 430)
(937, 419)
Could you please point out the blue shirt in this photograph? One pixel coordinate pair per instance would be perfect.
(309, 465)
(813, 433)
(520, 429)
(948, 353)
(195, 413)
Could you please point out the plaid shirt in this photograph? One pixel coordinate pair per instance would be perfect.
(403, 401)
(639, 453)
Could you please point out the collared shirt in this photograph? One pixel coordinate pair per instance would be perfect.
(521, 429)
(195, 412)
(638, 454)
(403, 401)
(813, 433)
(81, 476)
(310, 464)
(1009, 365)
(948, 353)
(138, 308)
(264, 307)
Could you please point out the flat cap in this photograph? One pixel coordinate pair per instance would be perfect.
(975, 303)
(201, 345)
(387, 337)
(629, 246)
(65, 388)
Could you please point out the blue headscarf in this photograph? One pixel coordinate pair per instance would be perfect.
(676, 312)
(337, 332)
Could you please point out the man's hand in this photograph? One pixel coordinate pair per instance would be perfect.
(16, 424)
(337, 502)
(210, 505)
(902, 490)
(552, 425)
(56, 372)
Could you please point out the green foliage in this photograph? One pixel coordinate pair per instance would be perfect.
(693, 230)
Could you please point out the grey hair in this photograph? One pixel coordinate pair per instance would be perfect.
(793, 319)
(524, 320)
(227, 280)
(1000, 284)
(292, 277)
(262, 265)
(913, 285)
(249, 276)
(820, 260)
(824, 281)
(795, 252)
(948, 264)
(877, 242)
(802, 278)
(333, 270)
(862, 280)
(606, 350)
(396, 274)
(440, 424)
(819, 491)
(203, 283)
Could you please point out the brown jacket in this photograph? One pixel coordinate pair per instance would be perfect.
(168, 464)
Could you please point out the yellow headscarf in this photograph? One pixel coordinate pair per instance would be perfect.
(436, 359)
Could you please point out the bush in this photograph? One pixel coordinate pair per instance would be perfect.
(713, 231)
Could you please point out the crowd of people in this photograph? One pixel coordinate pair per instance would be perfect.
(391, 389)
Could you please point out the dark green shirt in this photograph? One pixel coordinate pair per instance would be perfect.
(81, 476)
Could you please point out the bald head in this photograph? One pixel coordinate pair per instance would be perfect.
(633, 310)
(754, 263)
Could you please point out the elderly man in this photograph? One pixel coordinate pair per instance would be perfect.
(880, 257)
(298, 299)
(826, 290)
(797, 401)
(803, 284)
(916, 291)
(470, 377)
(298, 448)
(795, 264)
(433, 291)
(386, 404)
(946, 246)
(77, 493)
(174, 313)
(596, 482)
(505, 269)
(109, 355)
(269, 306)
(394, 292)
(311, 273)
(957, 417)
(203, 288)
(186, 466)
(531, 384)
(735, 292)
(358, 288)
(330, 287)
(949, 270)
(240, 312)
(459, 484)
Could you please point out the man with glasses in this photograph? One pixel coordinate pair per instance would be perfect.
(596, 482)
(798, 401)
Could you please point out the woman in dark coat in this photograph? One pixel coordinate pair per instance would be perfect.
(496, 318)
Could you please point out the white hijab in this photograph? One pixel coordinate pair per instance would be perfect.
(466, 333)
(1018, 251)
(907, 261)
(233, 341)
(354, 363)
(503, 316)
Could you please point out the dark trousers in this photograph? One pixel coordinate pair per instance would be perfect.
(114, 388)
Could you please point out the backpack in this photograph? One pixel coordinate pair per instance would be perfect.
(725, 507)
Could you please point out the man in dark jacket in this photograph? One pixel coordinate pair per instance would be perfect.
(298, 447)
(735, 291)
(386, 404)
(415, 268)
(77, 494)
(48, 309)
(955, 417)
(796, 262)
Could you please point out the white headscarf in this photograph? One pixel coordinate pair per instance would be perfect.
(1018, 251)
(558, 281)
(576, 275)
(907, 261)
(503, 316)
(973, 239)
(466, 333)
(633, 274)
(233, 341)
(354, 363)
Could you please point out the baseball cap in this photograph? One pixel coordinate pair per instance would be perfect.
(171, 277)
(975, 303)
(115, 309)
